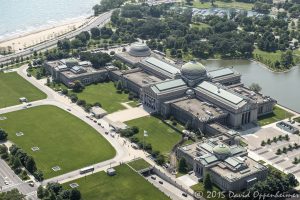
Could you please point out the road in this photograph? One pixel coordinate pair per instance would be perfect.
(124, 151)
(99, 21)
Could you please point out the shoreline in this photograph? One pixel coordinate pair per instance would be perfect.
(256, 61)
(26, 40)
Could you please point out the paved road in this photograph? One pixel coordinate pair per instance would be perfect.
(12, 180)
(99, 21)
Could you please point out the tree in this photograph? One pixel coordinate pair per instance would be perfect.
(160, 159)
(207, 182)
(95, 32)
(287, 59)
(255, 87)
(78, 86)
(40, 192)
(73, 98)
(14, 194)
(30, 164)
(75, 194)
(3, 135)
(38, 175)
(182, 168)
(3, 149)
(119, 86)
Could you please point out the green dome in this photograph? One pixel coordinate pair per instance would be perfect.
(193, 70)
(222, 150)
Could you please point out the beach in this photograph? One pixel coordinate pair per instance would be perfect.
(20, 42)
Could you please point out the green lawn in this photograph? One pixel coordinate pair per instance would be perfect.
(63, 139)
(106, 94)
(34, 70)
(139, 164)
(199, 25)
(269, 58)
(277, 115)
(199, 187)
(125, 185)
(160, 136)
(221, 4)
(13, 86)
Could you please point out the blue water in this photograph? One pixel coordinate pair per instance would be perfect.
(19, 16)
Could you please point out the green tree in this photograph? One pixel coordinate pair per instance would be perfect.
(207, 182)
(75, 194)
(3, 135)
(30, 164)
(14, 194)
(40, 192)
(77, 86)
(255, 87)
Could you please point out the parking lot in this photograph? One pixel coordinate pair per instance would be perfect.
(267, 153)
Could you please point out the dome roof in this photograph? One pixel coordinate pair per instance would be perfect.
(222, 150)
(190, 92)
(139, 50)
(193, 70)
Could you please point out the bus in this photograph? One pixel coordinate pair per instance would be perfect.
(87, 169)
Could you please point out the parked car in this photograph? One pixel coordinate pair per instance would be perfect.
(153, 177)
(160, 182)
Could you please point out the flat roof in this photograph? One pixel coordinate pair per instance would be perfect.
(162, 65)
(170, 84)
(141, 78)
(257, 97)
(202, 110)
(224, 94)
(220, 72)
(224, 169)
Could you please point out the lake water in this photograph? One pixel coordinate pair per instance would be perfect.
(20, 16)
(284, 87)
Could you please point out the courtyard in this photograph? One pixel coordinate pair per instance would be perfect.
(161, 136)
(126, 184)
(268, 152)
(15, 87)
(106, 94)
(62, 139)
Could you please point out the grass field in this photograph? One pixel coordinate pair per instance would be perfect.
(64, 140)
(199, 25)
(125, 185)
(269, 58)
(277, 115)
(139, 164)
(34, 70)
(104, 93)
(160, 135)
(13, 86)
(220, 4)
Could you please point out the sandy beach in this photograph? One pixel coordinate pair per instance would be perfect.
(29, 39)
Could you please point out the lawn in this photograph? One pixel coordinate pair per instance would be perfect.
(269, 58)
(199, 187)
(13, 86)
(139, 164)
(160, 136)
(221, 4)
(199, 25)
(125, 185)
(63, 139)
(34, 70)
(277, 115)
(106, 94)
